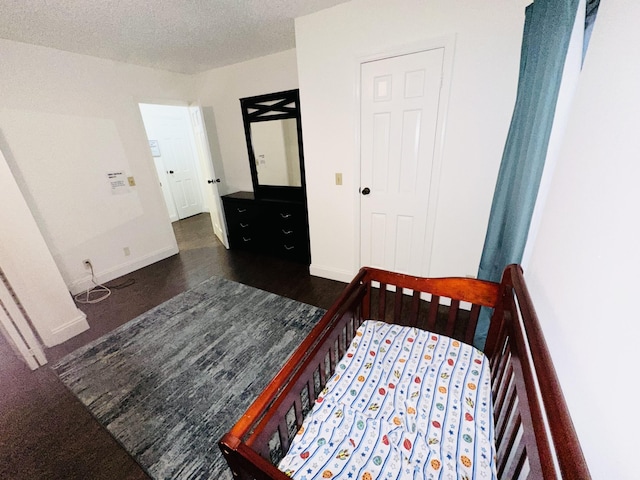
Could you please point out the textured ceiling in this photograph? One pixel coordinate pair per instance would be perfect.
(187, 36)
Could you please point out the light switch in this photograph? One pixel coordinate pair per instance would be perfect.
(132, 181)
(338, 178)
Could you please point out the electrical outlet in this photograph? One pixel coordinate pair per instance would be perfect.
(87, 263)
(126, 251)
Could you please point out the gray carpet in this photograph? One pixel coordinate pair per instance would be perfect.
(170, 383)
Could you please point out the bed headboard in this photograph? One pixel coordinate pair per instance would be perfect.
(535, 437)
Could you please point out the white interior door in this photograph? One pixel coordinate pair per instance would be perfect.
(400, 99)
(183, 178)
(170, 127)
(212, 195)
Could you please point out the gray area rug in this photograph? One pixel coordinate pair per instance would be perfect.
(171, 382)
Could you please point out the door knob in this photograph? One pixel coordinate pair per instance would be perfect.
(366, 191)
(217, 180)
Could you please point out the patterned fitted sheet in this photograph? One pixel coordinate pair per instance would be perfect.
(403, 404)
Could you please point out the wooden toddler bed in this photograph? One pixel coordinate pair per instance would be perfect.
(532, 432)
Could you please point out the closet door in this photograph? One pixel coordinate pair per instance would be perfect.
(400, 99)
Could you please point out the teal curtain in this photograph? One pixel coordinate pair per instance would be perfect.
(547, 31)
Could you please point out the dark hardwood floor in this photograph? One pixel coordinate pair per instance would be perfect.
(46, 433)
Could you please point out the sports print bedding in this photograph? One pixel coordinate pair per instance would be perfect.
(403, 404)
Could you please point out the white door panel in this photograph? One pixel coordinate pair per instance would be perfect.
(399, 118)
(182, 171)
(171, 127)
(212, 195)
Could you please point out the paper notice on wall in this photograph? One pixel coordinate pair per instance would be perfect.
(118, 183)
(155, 148)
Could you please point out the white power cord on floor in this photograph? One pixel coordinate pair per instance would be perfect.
(95, 294)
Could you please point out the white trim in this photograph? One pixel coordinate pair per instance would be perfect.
(18, 328)
(18, 341)
(80, 286)
(68, 330)
(161, 101)
(441, 126)
(447, 43)
(331, 273)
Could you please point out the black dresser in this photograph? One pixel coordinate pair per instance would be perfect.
(274, 227)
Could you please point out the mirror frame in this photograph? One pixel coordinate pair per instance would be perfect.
(263, 108)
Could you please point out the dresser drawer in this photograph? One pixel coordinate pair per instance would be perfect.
(240, 211)
(292, 250)
(244, 234)
(243, 222)
(288, 230)
(274, 227)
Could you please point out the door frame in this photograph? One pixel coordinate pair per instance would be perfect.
(194, 159)
(199, 162)
(446, 42)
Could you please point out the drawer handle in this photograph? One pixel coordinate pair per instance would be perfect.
(241, 210)
(287, 232)
(245, 239)
(285, 215)
(244, 225)
(287, 247)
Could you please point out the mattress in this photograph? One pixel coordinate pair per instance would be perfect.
(403, 404)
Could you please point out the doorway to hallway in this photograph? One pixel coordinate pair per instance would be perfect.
(179, 146)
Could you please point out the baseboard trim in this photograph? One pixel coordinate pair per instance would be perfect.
(82, 285)
(67, 330)
(331, 273)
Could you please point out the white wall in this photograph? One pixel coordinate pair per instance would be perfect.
(66, 120)
(219, 92)
(583, 272)
(330, 45)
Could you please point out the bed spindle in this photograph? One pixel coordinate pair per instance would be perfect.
(297, 408)
(501, 394)
(473, 323)
(335, 350)
(507, 405)
(433, 313)
(415, 308)
(513, 461)
(397, 306)
(499, 373)
(451, 320)
(382, 301)
(283, 431)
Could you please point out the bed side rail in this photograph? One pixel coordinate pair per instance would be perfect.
(535, 437)
(262, 436)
